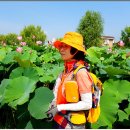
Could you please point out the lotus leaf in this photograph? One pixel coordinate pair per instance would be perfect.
(40, 103)
(114, 93)
(18, 90)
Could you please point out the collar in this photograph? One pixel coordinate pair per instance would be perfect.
(70, 65)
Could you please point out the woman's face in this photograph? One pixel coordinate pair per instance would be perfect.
(64, 50)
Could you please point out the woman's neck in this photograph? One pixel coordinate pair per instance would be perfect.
(69, 65)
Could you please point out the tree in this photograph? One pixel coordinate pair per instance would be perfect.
(33, 35)
(91, 28)
(8, 39)
(11, 39)
(125, 36)
(2, 38)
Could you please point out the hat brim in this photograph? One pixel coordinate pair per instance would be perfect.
(57, 44)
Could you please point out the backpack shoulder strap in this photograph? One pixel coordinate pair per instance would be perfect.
(77, 69)
(80, 67)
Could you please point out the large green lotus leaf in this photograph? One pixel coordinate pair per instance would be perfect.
(39, 104)
(3, 86)
(32, 53)
(102, 71)
(93, 55)
(46, 78)
(127, 110)
(112, 95)
(129, 98)
(23, 60)
(9, 58)
(1, 68)
(18, 91)
(2, 54)
(51, 73)
(33, 56)
(111, 71)
(47, 57)
(29, 125)
(108, 61)
(122, 115)
(7, 49)
(128, 62)
(57, 56)
(31, 73)
(16, 72)
(39, 70)
(29, 54)
(23, 63)
(123, 88)
(120, 89)
(28, 72)
(25, 56)
(55, 71)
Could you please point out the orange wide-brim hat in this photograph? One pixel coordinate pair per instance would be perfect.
(73, 39)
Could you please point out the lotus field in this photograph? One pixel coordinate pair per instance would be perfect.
(28, 74)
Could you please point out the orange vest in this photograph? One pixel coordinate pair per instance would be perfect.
(61, 99)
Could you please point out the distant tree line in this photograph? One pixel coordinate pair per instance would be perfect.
(90, 26)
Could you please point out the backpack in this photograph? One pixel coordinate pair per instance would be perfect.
(97, 89)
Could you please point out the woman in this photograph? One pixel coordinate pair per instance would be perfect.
(72, 52)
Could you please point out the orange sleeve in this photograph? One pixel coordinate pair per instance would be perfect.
(83, 81)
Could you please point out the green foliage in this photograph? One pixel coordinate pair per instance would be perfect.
(2, 53)
(16, 91)
(27, 75)
(2, 38)
(43, 96)
(29, 72)
(91, 28)
(32, 34)
(11, 39)
(21, 74)
(109, 64)
(114, 93)
(125, 36)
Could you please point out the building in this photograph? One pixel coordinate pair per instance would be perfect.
(108, 40)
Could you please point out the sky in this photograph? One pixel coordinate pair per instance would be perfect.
(58, 17)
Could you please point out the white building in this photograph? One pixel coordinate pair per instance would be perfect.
(108, 40)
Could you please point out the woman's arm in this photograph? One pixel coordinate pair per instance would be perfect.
(84, 83)
(84, 104)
